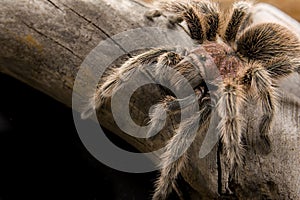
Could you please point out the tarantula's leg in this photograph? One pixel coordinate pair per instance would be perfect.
(173, 20)
(209, 11)
(267, 94)
(190, 15)
(157, 115)
(153, 14)
(170, 105)
(171, 166)
(263, 81)
(267, 41)
(164, 62)
(264, 91)
(178, 191)
(238, 14)
(229, 106)
(282, 67)
(121, 75)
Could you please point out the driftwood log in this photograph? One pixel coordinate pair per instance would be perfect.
(44, 42)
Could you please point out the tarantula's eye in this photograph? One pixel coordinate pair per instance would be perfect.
(266, 41)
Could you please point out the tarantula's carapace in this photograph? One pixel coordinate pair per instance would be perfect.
(250, 59)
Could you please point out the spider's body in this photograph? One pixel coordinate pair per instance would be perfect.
(223, 56)
(249, 60)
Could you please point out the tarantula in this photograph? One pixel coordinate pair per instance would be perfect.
(250, 59)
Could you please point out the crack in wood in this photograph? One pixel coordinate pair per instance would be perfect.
(140, 4)
(100, 29)
(56, 42)
(53, 4)
(219, 168)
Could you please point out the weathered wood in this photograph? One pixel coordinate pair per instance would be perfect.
(44, 42)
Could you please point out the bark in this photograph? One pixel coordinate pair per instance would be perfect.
(44, 42)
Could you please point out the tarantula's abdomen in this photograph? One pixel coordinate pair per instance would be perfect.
(218, 60)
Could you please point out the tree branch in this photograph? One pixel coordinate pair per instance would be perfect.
(43, 44)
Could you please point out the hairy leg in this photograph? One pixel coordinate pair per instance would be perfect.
(237, 15)
(229, 106)
(262, 86)
(202, 17)
(282, 67)
(171, 166)
(118, 77)
(267, 41)
(171, 105)
(209, 11)
(266, 80)
(268, 97)
(190, 15)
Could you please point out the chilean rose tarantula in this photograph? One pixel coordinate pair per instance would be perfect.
(250, 59)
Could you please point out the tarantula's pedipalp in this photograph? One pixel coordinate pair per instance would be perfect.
(171, 164)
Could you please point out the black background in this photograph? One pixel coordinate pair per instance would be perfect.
(42, 157)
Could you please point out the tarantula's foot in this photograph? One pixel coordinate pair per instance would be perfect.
(172, 106)
(150, 15)
(234, 173)
(264, 145)
(229, 193)
(173, 20)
